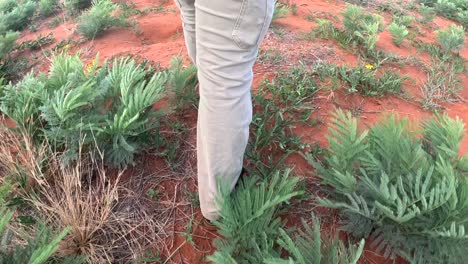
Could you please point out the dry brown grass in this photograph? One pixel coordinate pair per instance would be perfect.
(108, 221)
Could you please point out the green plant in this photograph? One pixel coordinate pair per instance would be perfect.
(359, 28)
(153, 194)
(279, 103)
(428, 13)
(463, 19)
(364, 79)
(47, 7)
(271, 56)
(309, 247)
(294, 9)
(7, 43)
(253, 233)
(55, 22)
(447, 8)
(74, 7)
(399, 33)
(99, 18)
(281, 11)
(451, 39)
(451, 9)
(111, 105)
(37, 43)
(408, 192)
(248, 220)
(182, 84)
(403, 20)
(17, 16)
(362, 26)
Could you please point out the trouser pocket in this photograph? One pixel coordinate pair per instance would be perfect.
(252, 23)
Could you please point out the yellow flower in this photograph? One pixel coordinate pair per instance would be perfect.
(370, 66)
(91, 66)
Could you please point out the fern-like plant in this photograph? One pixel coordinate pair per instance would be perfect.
(363, 27)
(253, 233)
(182, 83)
(399, 33)
(309, 247)
(248, 221)
(407, 192)
(77, 104)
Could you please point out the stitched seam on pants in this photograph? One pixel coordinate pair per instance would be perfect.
(238, 23)
(264, 23)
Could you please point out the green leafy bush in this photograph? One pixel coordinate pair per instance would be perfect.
(403, 20)
(363, 26)
(74, 7)
(463, 19)
(7, 42)
(405, 191)
(17, 16)
(47, 7)
(99, 18)
(252, 231)
(428, 13)
(451, 9)
(399, 33)
(448, 8)
(451, 39)
(74, 104)
(359, 29)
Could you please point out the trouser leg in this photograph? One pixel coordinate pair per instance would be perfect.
(187, 12)
(227, 37)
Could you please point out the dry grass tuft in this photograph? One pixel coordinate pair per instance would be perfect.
(107, 223)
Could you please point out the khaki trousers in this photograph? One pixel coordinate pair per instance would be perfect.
(222, 39)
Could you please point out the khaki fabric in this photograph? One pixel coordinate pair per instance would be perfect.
(222, 38)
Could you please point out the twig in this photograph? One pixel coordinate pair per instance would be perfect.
(175, 251)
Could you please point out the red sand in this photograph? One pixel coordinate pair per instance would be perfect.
(160, 38)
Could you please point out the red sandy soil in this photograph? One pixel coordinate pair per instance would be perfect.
(160, 38)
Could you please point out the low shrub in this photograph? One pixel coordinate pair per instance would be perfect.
(17, 16)
(99, 18)
(451, 39)
(428, 14)
(47, 7)
(407, 192)
(74, 7)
